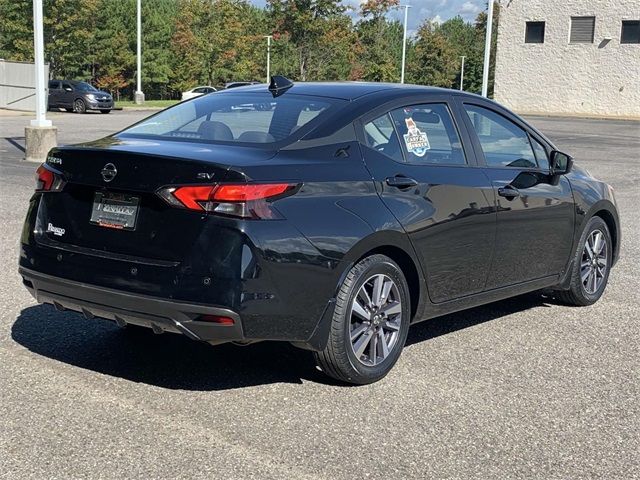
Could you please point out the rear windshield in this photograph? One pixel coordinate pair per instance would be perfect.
(235, 118)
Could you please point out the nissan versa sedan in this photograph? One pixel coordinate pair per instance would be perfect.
(333, 221)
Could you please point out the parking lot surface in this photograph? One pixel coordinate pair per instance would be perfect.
(523, 388)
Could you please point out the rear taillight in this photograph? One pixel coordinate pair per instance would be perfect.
(48, 180)
(246, 200)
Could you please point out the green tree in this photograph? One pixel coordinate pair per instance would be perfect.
(382, 41)
(434, 60)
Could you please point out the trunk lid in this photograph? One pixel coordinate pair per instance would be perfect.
(130, 171)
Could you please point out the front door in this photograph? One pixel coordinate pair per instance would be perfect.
(428, 179)
(66, 95)
(535, 210)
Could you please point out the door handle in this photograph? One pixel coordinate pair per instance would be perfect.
(400, 181)
(508, 192)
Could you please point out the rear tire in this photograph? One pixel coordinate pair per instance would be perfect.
(591, 266)
(370, 323)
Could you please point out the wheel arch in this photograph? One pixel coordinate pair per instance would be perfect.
(396, 246)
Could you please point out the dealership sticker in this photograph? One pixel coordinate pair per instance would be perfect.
(415, 139)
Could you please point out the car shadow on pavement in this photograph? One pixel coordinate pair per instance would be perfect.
(175, 362)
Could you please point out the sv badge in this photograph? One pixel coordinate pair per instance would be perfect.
(205, 176)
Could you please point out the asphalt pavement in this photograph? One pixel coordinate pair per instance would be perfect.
(522, 388)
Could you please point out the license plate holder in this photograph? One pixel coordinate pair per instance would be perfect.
(115, 210)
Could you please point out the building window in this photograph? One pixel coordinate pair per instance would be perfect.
(582, 29)
(534, 32)
(630, 31)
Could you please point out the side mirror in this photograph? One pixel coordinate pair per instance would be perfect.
(560, 163)
(68, 89)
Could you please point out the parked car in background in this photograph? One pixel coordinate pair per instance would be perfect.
(351, 212)
(78, 97)
(239, 84)
(196, 92)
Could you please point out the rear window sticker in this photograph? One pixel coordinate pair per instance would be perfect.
(416, 140)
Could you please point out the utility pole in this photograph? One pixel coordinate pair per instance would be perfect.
(40, 135)
(268, 37)
(404, 41)
(462, 73)
(139, 96)
(487, 51)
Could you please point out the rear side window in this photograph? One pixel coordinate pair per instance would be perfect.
(235, 118)
(503, 143)
(381, 136)
(428, 134)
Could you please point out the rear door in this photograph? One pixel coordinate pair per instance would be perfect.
(426, 174)
(66, 95)
(55, 89)
(535, 210)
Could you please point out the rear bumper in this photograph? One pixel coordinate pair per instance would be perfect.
(126, 308)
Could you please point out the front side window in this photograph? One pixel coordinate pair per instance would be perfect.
(428, 135)
(582, 29)
(630, 31)
(235, 118)
(67, 85)
(503, 143)
(541, 154)
(534, 32)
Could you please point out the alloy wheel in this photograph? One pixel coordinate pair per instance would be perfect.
(593, 265)
(375, 320)
(78, 106)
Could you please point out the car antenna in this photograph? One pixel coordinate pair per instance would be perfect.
(279, 85)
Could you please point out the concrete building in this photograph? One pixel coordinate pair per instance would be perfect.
(571, 57)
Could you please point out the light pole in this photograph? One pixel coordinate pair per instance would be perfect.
(487, 51)
(139, 96)
(462, 73)
(404, 41)
(268, 37)
(39, 136)
(38, 44)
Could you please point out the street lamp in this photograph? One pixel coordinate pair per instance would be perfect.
(268, 37)
(487, 51)
(139, 96)
(404, 40)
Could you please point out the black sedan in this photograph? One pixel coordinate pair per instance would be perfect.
(333, 221)
(78, 97)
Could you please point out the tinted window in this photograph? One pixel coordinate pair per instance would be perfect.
(67, 85)
(243, 118)
(534, 32)
(541, 154)
(428, 134)
(582, 29)
(85, 87)
(504, 144)
(630, 31)
(54, 85)
(198, 90)
(381, 136)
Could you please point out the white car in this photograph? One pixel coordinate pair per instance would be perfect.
(196, 92)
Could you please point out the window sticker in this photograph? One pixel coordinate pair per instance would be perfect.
(416, 140)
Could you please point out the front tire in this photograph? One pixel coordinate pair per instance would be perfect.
(591, 265)
(79, 106)
(370, 323)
